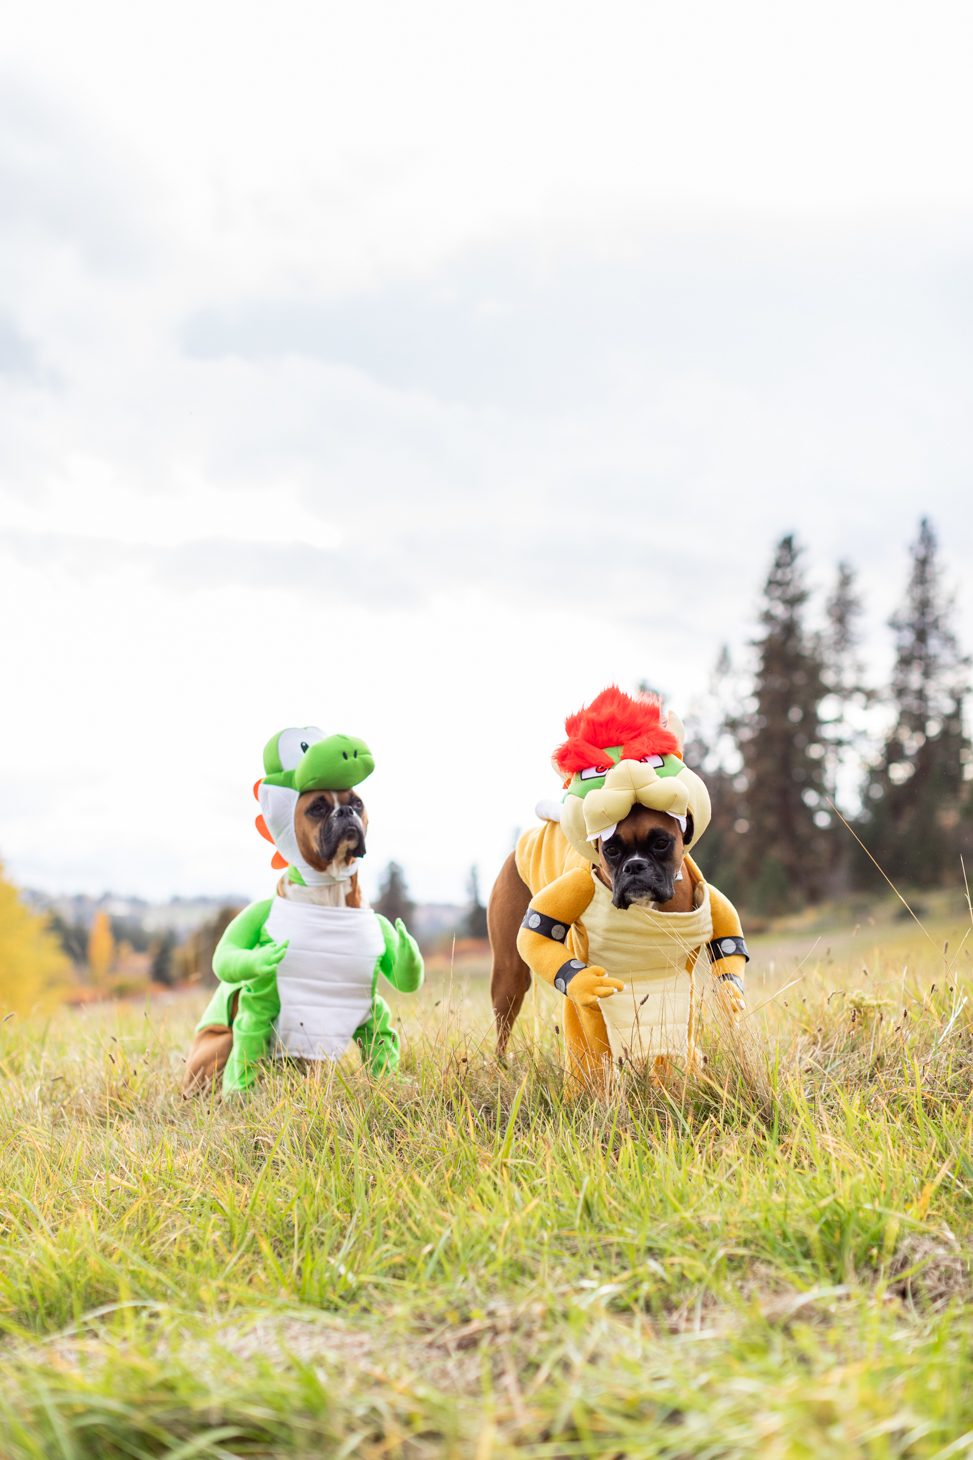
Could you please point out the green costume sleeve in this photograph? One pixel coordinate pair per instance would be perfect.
(253, 1030)
(377, 1040)
(236, 956)
(401, 962)
(247, 956)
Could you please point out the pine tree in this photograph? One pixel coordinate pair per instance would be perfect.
(476, 917)
(781, 745)
(393, 898)
(844, 726)
(161, 968)
(73, 938)
(846, 695)
(34, 970)
(916, 792)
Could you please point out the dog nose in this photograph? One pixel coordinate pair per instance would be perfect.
(636, 864)
(345, 811)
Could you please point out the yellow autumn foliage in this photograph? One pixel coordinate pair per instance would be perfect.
(101, 949)
(34, 969)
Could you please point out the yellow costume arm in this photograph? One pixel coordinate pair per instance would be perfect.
(543, 936)
(727, 952)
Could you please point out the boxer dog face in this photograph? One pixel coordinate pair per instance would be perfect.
(330, 827)
(639, 861)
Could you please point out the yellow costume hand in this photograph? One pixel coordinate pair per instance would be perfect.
(728, 973)
(590, 985)
(729, 994)
(731, 998)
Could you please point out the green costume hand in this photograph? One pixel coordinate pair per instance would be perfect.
(401, 962)
(267, 957)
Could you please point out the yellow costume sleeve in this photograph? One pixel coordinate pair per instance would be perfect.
(727, 952)
(543, 939)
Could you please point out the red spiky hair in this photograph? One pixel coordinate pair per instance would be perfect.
(614, 718)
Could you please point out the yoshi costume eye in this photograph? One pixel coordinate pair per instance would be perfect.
(293, 745)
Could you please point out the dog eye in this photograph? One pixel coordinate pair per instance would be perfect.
(593, 772)
(655, 760)
(612, 846)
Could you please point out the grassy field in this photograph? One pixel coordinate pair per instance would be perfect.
(773, 1260)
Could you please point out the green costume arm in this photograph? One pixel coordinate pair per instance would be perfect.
(253, 1030)
(247, 956)
(245, 951)
(377, 1040)
(401, 962)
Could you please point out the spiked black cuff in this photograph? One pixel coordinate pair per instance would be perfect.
(566, 973)
(538, 922)
(727, 948)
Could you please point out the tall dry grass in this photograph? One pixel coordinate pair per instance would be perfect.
(772, 1258)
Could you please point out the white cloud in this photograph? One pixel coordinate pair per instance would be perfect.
(421, 369)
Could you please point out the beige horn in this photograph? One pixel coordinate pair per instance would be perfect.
(677, 727)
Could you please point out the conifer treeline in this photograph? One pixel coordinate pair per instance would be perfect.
(799, 730)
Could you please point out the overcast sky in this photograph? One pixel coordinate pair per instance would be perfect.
(416, 370)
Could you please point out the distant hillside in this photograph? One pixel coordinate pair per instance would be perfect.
(432, 920)
(178, 915)
(182, 916)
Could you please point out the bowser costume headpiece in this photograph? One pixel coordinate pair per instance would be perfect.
(621, 752)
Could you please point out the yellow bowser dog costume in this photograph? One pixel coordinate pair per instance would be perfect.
(628, 974)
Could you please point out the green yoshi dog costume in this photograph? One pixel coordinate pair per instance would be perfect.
(298, 972)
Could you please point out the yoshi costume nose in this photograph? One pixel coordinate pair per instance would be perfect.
(334, 764)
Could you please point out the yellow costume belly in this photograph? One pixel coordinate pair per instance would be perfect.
(652, 953)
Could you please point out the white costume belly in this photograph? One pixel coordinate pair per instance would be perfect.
(325, 978)
(648, 951)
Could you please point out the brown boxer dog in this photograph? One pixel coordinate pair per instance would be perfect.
(639, 864)
(331, 827)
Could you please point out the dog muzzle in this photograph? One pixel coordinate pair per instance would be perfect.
(278, 805)
(344, 827)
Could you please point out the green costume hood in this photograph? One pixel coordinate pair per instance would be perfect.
(298, 760)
